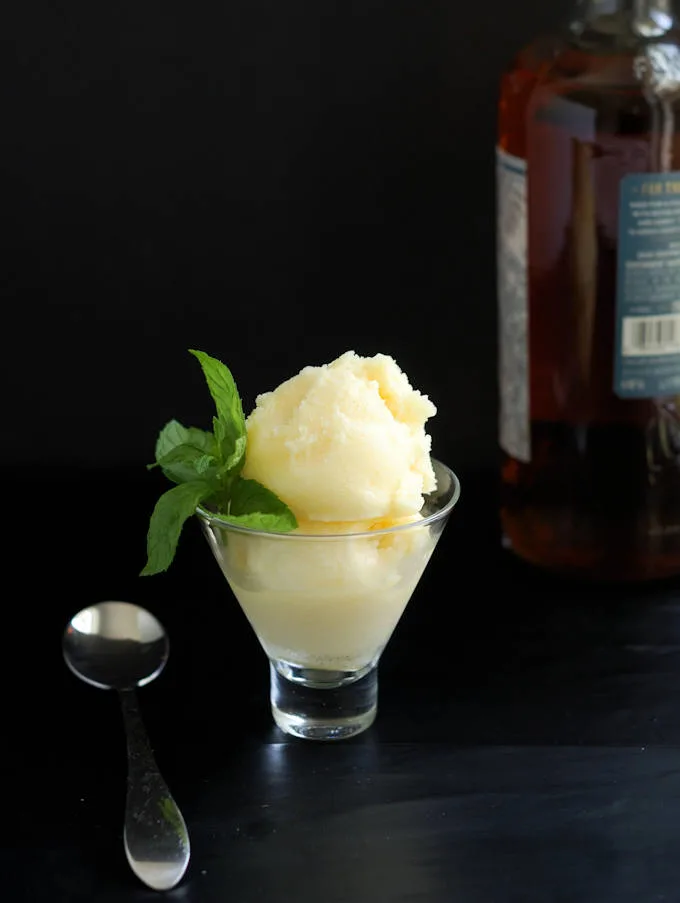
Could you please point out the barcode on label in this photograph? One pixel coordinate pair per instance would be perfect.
(651, 335)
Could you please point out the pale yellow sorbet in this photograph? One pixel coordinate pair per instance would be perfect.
(329, 603)
(344, 441)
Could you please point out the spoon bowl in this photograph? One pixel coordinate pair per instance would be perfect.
(119, 646)
(115, 645)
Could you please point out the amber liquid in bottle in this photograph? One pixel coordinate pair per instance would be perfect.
(599, 495)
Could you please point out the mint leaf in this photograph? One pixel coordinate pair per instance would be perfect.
(205, 464)
(172, 509)
(231, 424)
(185, 463)
(270, 523)
(236, 460)
(174, 434)
(251, 500)
(206, 468)
(233, 449)
(219, 431)
(178, 448)
(222, 388)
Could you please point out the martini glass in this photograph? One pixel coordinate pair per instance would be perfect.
(324, 606)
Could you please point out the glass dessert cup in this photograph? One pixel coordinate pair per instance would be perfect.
(324, 606)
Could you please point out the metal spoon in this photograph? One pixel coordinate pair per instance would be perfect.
(118, 646)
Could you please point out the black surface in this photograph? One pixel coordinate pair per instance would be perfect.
(526, 747)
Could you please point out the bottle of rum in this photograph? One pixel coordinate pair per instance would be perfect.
(588, 164)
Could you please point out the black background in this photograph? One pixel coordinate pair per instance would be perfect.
(272, 182)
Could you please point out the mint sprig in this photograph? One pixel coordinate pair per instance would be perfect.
(206, 468)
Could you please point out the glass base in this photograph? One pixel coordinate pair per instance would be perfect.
(315, 704)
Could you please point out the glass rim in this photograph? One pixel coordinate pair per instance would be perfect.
(215, 519)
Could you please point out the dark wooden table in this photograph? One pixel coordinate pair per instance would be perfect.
(526, 747)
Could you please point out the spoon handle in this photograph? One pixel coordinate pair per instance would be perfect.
(156, 838)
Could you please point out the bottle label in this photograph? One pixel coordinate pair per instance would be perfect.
(513, 305)
(647, 342)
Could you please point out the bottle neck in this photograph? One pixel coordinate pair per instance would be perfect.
(616, 18)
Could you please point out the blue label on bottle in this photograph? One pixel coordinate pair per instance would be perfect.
(647, 349)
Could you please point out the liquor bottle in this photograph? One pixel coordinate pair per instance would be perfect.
(588, 166)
